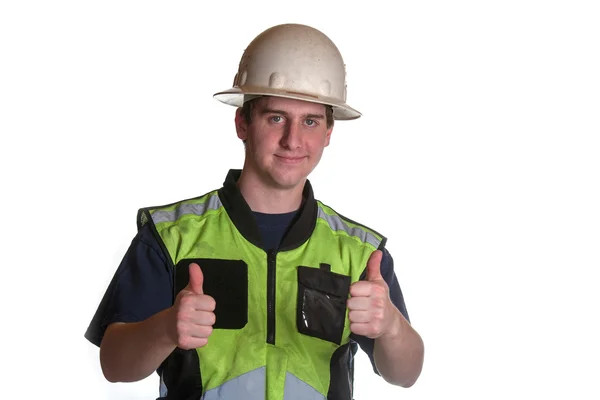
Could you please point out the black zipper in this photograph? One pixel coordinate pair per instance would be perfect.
(271, 264)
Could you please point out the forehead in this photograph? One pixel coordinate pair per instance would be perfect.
(289, 105)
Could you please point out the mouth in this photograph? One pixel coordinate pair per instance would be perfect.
(290, 159)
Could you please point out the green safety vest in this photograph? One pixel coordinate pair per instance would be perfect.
(282, 330)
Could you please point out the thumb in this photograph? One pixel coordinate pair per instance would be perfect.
(196, 279)
(374, 266)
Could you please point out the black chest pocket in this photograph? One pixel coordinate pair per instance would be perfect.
(321, 307)
(224, 280)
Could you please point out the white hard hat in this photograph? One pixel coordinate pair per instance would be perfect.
(293, 61)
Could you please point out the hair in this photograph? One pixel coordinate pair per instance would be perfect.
(249, 106)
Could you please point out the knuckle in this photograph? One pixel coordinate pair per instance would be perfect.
(181, 328)
(206, 331)
(350, 304)
(378, 303)
(183, 343)
(211, 303)
(352, 316)
(357, 288)
(181, 315)
(371, 332)
(185, 300)
(379, 290)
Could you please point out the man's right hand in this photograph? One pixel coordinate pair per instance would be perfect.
(193, 313)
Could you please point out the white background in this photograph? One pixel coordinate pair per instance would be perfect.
(477, 155)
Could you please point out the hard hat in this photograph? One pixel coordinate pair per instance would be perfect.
(292, 61)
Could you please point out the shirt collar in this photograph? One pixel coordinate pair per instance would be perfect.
(242, 217)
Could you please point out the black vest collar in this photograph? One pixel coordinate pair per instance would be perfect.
(243, 218)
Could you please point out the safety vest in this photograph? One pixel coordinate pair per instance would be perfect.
(282, 330)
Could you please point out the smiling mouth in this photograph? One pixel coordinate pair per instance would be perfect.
(289, 160)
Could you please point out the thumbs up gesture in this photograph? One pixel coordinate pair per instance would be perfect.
(193, 313)
(371, 312)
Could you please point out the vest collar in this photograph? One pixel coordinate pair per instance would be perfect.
(242, 217)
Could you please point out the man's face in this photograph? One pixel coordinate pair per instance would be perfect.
(284, 140)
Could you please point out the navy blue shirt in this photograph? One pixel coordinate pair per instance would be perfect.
(143, 283)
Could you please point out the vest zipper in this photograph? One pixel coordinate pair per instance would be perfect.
(271, 264)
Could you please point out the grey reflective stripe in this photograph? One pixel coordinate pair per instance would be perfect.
(338, 224)
(212, 203)
(162, 389)
(250, 386)
(295, 389)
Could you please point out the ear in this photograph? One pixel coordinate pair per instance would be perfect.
(328, 136)
(241, 126)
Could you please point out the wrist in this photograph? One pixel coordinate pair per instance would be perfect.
(164, 325)
(395, 327)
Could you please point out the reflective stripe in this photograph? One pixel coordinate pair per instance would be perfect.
(162, 389)
(249, 386)
(212, 203)
(295, 389)
(338, 224)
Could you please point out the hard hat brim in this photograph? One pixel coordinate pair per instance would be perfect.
(235, 97)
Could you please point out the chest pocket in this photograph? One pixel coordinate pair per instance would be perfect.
(224, 280)
(321, 306)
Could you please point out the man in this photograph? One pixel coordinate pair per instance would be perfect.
(257, 290)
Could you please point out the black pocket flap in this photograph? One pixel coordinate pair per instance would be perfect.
(224, 280)
(324, 281)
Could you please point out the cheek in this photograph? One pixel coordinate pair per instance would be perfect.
(263, 142)
(315, 152)
(317, 144)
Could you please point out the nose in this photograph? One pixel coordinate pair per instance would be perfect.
(291, 138)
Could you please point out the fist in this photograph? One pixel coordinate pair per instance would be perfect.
(193, 313)
(371, 312)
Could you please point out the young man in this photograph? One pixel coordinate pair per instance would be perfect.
(257, 290)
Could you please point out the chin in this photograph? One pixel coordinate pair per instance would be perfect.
(288, 180)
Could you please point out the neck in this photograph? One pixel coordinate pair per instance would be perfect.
(268, 199)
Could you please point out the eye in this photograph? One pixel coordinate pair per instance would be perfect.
(276, 119)
(311, 122)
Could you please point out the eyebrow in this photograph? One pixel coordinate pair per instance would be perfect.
(273, 111)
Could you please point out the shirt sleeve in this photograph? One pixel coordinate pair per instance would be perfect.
(141, 287)
(388, 274)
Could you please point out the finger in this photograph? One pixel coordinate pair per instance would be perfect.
(359, 303)
(202, 318)
(190, 302)
(374, 266)
(359, 316)
(201, 331)
(361, 289)
(204, 302)
(363, 329)
(189, 335)
(189, 343)
(196, 279)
